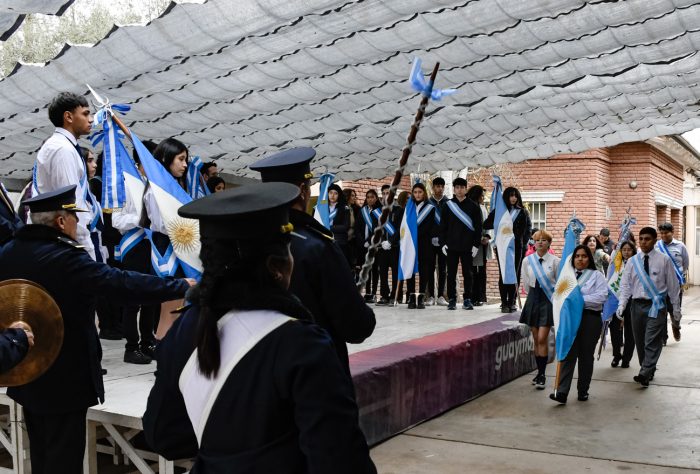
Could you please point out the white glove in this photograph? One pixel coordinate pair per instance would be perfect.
(435, 241)
(386, 245)
(444, 250)
(474, 251)
(366, 245)
(618, 313)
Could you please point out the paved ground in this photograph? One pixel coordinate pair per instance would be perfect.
(622, 427)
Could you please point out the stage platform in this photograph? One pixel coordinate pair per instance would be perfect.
(416, 365)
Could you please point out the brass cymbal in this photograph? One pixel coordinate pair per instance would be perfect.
(24, 300)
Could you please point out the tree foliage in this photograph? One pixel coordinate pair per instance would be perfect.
(86, 22)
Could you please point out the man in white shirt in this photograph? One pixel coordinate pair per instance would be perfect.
(59, 163)
(675, 249)
(648, 272)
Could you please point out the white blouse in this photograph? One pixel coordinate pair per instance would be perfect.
(550, 264)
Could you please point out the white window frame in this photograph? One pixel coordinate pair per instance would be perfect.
(541, 206)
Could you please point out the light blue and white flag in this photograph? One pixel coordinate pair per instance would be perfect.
(504, 238)
(408, 243)
(183, 233)
(113, 189)
(567, 300)
(135, 187)
(322, 211)
(194, 182)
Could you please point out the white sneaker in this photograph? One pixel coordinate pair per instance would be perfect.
(442, 301)
(430, 301)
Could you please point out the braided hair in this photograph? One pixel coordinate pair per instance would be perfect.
(237, 275)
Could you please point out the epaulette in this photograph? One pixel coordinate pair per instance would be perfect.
(323, 234)
(70, 242)
(181, 309)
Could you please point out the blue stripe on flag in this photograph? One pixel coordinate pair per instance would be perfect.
(408, 243)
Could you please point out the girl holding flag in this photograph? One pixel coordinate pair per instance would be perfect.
(586, 290)
(521, 230)
(427, 231)
(539, 272)
(621, 329)
(363, 235)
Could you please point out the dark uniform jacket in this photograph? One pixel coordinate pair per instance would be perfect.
(454, 233)
(361, 236)
(341, 225)
(395, 219)
(287, 407)
(13, 347)
(522, 228)
(323, 281)
(9, 220)
(55, 261)
(427, 229)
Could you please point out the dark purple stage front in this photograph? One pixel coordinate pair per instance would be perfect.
(405, 383)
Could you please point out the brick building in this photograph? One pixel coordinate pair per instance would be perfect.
(599, 185)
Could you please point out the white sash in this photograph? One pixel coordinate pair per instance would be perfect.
(461, 215)
(389, 228)
(423, 212)
(661, 245)
(658, 300)
(542, 278)
(239, 332)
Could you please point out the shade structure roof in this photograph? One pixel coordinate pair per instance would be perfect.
(236, 80)
(13, 12)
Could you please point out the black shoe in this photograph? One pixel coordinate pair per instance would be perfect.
(512, 309)
(412, 302)
(383, 301)
(467, 304)
(582, 396)
(665, 339)
(558, 397)
(369, 298)
(111, 335)
(136, 357)
(541, 382)
(478, 303)
(641, 380)
(625, 365)
(616, 361)
(505, 308)
(452, 305)
(534, 381)
(104, 371)
(676, 333)
(421, 302)
(149, 350)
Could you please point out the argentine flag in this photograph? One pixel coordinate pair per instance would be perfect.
(322, 211)
(614, 278)
(567, 301)
(505, 241)
(183, 233)
(408, 243)
(194, 182)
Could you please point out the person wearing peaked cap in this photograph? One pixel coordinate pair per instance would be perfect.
(47, 253)
(258, 388)
(322, 278)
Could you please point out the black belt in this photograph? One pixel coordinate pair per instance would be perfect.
(641, 300)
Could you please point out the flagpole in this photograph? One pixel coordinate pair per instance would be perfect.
(386, 210)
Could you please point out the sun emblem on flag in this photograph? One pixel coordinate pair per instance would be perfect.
(506, 230)
(184, 234)
(403, 232)
(563, 286)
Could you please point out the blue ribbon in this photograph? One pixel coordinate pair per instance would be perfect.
(425, 88)
(195, 186)
(389, 228)
(425, 212)
(679, 272)
(129, 240)
(538, 270)
(657, 299)
(460, 214)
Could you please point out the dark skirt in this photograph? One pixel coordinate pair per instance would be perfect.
(537, 311)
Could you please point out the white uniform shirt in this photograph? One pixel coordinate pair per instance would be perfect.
(59, 164)
(550, 265)
(662, 275)
(595, 291)
(149, 200)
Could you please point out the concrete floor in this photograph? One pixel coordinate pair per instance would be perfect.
(622, 427)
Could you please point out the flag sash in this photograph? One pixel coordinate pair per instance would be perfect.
(129, 240)
(331, 215)
(460, 214)
(661, 245)
(657, 299)
(389, 228)
(504, 238)
(322, 210)
(424, 212)
(544, 281)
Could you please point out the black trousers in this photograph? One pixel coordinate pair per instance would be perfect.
(622, 338)
(509, 293)
(426, 268)
(388, 259)
(441, 266)
(479, 284)
(582, 350)
(109, 314)
(669, 308)
(56, 441)
(453, 260)
(139, 260)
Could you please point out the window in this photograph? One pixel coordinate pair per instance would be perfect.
(538, 214)
(697, 231)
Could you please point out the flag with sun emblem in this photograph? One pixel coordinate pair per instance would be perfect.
(408, 243)
(322, 210)
(504, 239)
(567, 301)
(169, 196)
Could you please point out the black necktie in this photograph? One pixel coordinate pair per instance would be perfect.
(646, 264)
(537, 282)
(578, 274)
